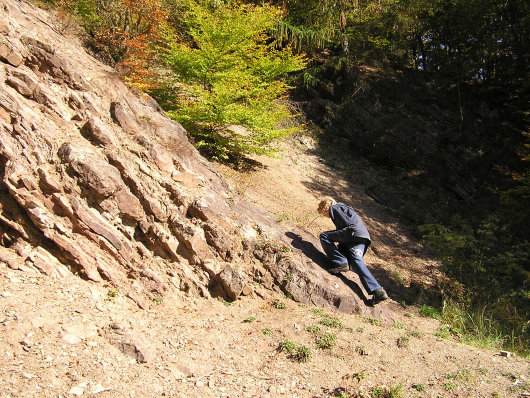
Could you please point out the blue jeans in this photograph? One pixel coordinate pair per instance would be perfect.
(349, 252)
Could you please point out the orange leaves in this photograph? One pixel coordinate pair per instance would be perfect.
(129, 31)
(147, 20)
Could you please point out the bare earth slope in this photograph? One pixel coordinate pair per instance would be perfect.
(82, 339)
(130, 268)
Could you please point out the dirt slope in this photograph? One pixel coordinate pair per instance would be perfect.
(68, 337)
(291, 186)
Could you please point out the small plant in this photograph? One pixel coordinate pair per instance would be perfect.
(521, 387)
(318, 311)
(387, 392)
(429, 312)
(373, 321)
(398, 278)
(403, 341)
(360, 376)
(360, 329)
(249, 319)
(313, 329)
(395, 391)
(419, 387)
(289, 277)
(461, 374)
(377, 392)
(112, 294)
(326, 341)
(266, 332)
(287, 346)
(450, 386)
(302, 354)
(278, 304)
(332, 322)
(415, 333)
(228, 303)
(398, 325)
(361, 350)
(283, 217)
(444, 332)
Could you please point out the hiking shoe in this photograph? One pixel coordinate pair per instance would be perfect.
(341, 268)
(379, 295)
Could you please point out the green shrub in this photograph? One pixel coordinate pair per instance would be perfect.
(287, 346)
(332, 322)
(278, 304)
(313, 329)
(326, 341)
(302, 354)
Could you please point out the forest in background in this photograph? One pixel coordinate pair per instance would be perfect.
(216, 64)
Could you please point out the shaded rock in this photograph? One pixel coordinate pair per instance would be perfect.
(11, 50)
(219, 239)
(123, 118)
(21, 81)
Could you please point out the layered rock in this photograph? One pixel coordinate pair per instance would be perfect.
(96, 180)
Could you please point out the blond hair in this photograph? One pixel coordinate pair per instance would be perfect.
(325, 203)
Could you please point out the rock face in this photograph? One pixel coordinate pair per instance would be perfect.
(96, 180)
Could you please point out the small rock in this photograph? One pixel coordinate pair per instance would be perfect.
(71, 338)
(78, 390)
(96, 389)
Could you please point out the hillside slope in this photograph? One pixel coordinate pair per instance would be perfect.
(130, 267)
(97, 181)
(84, 339)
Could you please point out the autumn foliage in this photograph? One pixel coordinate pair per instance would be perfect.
(127, 32)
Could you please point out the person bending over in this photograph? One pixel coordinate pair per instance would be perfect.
(346, 246)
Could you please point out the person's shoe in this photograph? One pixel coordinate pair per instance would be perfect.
(379, 295)
(341, 268)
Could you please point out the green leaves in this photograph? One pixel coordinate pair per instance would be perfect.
(230, 73)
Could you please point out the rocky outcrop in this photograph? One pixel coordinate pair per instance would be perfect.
(96, 180)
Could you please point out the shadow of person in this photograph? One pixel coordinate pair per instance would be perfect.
(308, 249)
(354, 286)
(319, 258)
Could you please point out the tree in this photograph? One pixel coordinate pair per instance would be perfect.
(126, 31)
(226, 71)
